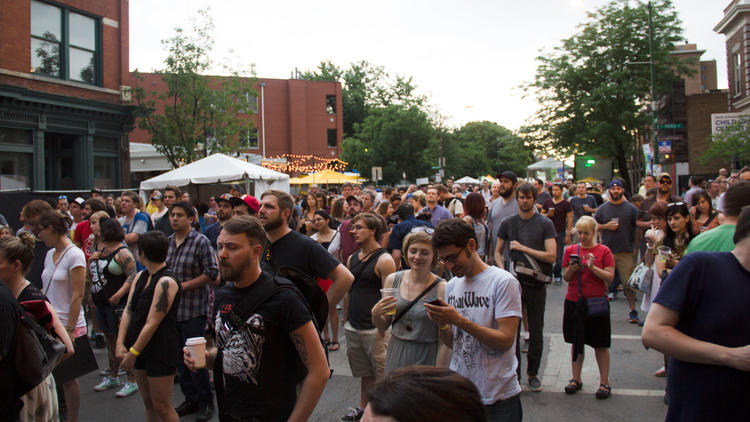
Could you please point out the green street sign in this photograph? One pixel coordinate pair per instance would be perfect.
(671, 126)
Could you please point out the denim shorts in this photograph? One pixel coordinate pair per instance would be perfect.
(109, 317)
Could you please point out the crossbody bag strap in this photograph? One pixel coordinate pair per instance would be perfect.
(578, 273)
(364, 262)
(414, 302)
(54, 269)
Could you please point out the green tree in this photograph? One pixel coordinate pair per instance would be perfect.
(479, 148)
(731, 144)
(393, 137)
(196, 115)
(592, 96)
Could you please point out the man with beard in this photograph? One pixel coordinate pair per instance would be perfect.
(616, 222)
(478, 320)
(223, 214)
(252, 371)
(505, 206)
(663, 194)
(290, 248)
(531, 239)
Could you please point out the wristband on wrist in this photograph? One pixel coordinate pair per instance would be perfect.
(134, 352)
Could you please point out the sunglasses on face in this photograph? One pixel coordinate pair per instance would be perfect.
(665, 181)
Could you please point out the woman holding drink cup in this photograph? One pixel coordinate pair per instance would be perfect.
(148, 340)
(414, 338)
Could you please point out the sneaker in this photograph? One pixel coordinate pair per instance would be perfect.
(612, 296)
(354, 414)
(99, 342)
(187, 408)
(128, 389)
(633, 317)
(107, 383)
(105, 372)
(526, 336)
(558, 281)
(534, 384)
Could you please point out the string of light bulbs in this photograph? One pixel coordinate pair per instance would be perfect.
(301, 163)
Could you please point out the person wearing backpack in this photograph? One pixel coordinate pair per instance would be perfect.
(260, 329)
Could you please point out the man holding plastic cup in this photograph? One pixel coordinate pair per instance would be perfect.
(366, 346)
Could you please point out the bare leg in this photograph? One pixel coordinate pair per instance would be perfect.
(72, 391)
(145, 390)
(367, 383)
(114, 363)
(577, 365)
(333, 322)
(161, 397)
(602, 360)
(630, 295)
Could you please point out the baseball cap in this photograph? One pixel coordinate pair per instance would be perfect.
(156, 195)
(225, 197)
(79, 201)
(248, 200)
(351, 198)
(508, 175)
(96, 190)
(616, 182)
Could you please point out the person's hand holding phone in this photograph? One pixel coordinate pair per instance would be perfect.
(442, 313)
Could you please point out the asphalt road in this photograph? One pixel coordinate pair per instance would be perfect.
(636, 393)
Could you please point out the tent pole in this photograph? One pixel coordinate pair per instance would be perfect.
(247, 185)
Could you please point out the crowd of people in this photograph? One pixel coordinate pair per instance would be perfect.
(426, 278)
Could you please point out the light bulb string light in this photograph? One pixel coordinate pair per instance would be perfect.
(300, 163)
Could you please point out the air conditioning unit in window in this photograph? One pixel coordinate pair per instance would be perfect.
(126, 93)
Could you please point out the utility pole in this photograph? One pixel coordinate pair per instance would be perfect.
(654, 117)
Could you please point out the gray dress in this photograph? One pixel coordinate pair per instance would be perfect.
(414, 338)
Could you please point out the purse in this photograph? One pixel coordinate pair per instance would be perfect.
(595, 306)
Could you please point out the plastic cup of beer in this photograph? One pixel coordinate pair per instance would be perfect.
(663, 253)
(387, 293)
(197, 348)
(616, 221)
(551, 212)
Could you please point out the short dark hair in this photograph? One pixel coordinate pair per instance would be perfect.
(35, 208)
(248, 225)
(189, 210)
(441, 188)
(743, 226)
(132, 195)
(111, 230)
(285, 201)
(95, 204)
(527, 189)
(426, 393)
(453, 231)
(154, 245)
(405, 210)
(373, 222)
(57, 221)
(736, 197)
(177, 192)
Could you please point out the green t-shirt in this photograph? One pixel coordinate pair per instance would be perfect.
(718, 239)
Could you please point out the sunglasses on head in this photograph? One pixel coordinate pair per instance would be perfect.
(675, 204)
(62, 197)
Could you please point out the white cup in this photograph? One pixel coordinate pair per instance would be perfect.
(197, 348)
(386, 293)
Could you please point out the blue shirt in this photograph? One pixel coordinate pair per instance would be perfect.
(400, 230)
(438, 214)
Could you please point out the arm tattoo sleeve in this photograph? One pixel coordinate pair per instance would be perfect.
(299, 344)
(162, 303)
(130, 268)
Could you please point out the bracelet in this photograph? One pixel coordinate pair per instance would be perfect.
(134, 352)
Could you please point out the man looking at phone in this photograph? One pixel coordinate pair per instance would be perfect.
(479, 320)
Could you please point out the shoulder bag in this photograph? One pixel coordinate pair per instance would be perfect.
(595, 306)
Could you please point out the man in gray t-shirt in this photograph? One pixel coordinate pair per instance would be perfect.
(504, 206)
(616, 221)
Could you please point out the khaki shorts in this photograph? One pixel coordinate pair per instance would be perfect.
(366, 351)
(625, 264)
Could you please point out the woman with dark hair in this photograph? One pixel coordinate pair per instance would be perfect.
(703, 214)
(16, 254)
(325, 235)
(63, 281)
(322, 204)
(148, 340)
(424, 394)
(309, 206)
(112, 269)
(339, 210)
(474, 214)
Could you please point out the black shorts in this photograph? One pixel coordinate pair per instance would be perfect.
(597, 330)
(154, 367)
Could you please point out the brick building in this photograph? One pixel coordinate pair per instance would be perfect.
(291, 116)
(735, 25)
(63, 77)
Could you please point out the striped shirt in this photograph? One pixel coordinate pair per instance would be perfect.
(189, 260)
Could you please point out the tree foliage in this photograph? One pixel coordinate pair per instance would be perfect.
(201, 115)
(592, 96)
(480, 148)
(731, 144)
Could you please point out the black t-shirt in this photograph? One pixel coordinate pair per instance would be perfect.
(365, 292)
(532, 233)
(258, 358)
(715, 309)
(299, 252)
(9, 318)
(560, 219)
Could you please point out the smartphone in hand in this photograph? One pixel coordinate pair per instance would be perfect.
(436, 302)
(575, 260)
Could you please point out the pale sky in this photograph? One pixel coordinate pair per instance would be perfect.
(468, 57)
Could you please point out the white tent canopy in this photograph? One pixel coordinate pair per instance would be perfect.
(220, 168)
(468, 180)
(549, 163)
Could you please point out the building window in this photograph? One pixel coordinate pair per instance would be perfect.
(252, 103)
(332, 138)
(331, 104)
(249, 138)
(737, 73)
(106, 162)
(64, 43)
(16, 159)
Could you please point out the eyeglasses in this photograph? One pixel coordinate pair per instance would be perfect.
(62, 197)
(451, 258)
(665, 181)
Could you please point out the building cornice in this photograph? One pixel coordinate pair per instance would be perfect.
(41, 78)
(730, 17)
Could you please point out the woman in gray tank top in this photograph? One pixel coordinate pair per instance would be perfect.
(414, 337)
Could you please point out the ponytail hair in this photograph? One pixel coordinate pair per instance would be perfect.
(59, 223)
(19, 248)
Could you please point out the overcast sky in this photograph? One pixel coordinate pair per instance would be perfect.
(468, 57)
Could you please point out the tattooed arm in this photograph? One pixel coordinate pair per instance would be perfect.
(120, 350)
(127, 262)
(310, 351)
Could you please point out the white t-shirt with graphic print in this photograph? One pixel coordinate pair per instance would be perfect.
(490, 295)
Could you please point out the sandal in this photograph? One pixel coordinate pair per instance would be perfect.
(333, 346)
(661, 372)
(573, 386)
(603, 392)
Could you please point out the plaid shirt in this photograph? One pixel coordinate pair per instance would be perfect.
(192, 258)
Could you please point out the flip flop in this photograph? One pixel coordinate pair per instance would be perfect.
(333, 346)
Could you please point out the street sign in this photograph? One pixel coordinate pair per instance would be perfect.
(665, 146)
(671, 126)
(377, 174)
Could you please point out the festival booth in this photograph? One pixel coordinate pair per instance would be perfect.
(207, 177)
(325, 177)
(467, 181)
(550, 167)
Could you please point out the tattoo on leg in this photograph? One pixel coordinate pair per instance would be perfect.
(299, 344)
(161, 305)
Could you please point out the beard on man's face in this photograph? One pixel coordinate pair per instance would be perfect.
(273, 224)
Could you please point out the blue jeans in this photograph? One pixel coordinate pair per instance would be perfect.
(560, 239)
(195, 385)
(508, 410)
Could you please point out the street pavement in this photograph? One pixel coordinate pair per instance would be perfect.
(636, 393)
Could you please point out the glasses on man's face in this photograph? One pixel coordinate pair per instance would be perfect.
(665, 181)
(451, 258)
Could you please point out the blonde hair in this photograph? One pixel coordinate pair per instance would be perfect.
(99, 215)
(420, 236)
(586, 223)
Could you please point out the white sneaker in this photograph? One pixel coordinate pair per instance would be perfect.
(129, 388)
(107, 383)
